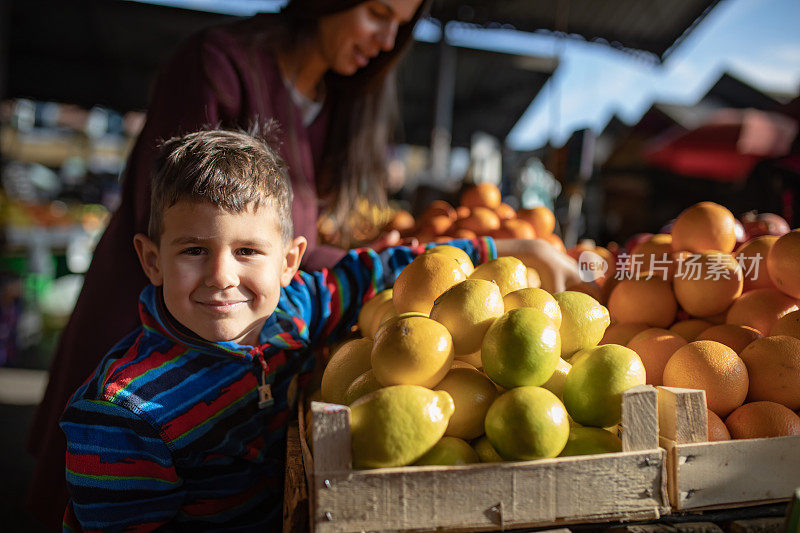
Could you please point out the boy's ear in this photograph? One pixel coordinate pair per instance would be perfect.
(294, 254)
(147, 251)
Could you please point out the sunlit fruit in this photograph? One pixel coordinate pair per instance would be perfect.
(395, 426)
(595, 384)
(522, 347)
(703, 227)
(527, 423)
(713, 367)
(412, 351)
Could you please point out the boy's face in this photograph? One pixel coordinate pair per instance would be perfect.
(221, 272)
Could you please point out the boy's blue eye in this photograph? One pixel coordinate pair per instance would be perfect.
(248, 251)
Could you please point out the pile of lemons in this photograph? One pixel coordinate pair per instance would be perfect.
(461, 364)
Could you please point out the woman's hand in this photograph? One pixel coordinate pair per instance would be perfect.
(556, 269)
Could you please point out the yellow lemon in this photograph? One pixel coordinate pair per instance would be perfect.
(588, 440)
(485, 450)
(527, 423)
(382, 309)
(449, 451)
(392, 316)
(594, 386)
(457, 363)
(345, 365)
(425, 279)
(522, 347)
(472, 394)
(556, 382)
(361, 386)
(508, 272)
(538, 299)
(583, 321)
(464, 261)
(366, 314)
(395, 426)
(534, 280)
(467, 309)
(414, 350)
(472, 359)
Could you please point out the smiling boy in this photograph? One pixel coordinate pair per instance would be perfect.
(183, 424)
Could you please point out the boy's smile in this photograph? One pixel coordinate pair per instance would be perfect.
(221, 272)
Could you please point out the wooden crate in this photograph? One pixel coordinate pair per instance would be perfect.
(630, 485)
(705, 475)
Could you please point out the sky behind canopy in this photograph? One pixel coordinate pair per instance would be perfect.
(757, 41)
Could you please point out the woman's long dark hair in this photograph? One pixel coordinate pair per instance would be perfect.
(364, 111)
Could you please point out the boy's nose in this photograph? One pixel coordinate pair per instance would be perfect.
(221, 272)
(387, 36)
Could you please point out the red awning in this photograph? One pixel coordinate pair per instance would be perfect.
(727, 147)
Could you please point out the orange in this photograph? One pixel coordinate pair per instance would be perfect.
(704, 226)
(761, 420)
(461, 233)
(733, 336)
(760, 309)
(435, 225)
(712, 367)
(707, 283)
(752, 255)
(555, 240)
(788, 324)
(481, 195)
(541, 218)
(481, 220)
(716, 427)
(783, 261)
(437, 208)
(588, 287)
(425, 279)
(462, 211)
(643, 300)
(505, 211)
(691, 328)
(515, 228)
(622, 332)
(773, 364)
(402, 221)
(655, 346)
(654, 255)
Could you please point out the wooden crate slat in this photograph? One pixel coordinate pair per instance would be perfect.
(640, 419)
(736, 472)
(682, 414)
(583, 488)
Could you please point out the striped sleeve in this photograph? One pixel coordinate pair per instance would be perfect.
(329, 300)
(120, 473)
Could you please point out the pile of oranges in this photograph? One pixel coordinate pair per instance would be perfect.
(703, 314)
(481, 212)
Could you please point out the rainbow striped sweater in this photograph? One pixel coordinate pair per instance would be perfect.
(168, 432)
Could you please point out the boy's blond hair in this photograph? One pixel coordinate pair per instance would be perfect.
(229, 169)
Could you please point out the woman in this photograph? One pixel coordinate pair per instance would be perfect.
(322, 70)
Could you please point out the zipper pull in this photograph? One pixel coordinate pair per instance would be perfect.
(265, 398)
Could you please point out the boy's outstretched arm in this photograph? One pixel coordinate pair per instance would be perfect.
(556, 269)
(120, 473)
(328, 301)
